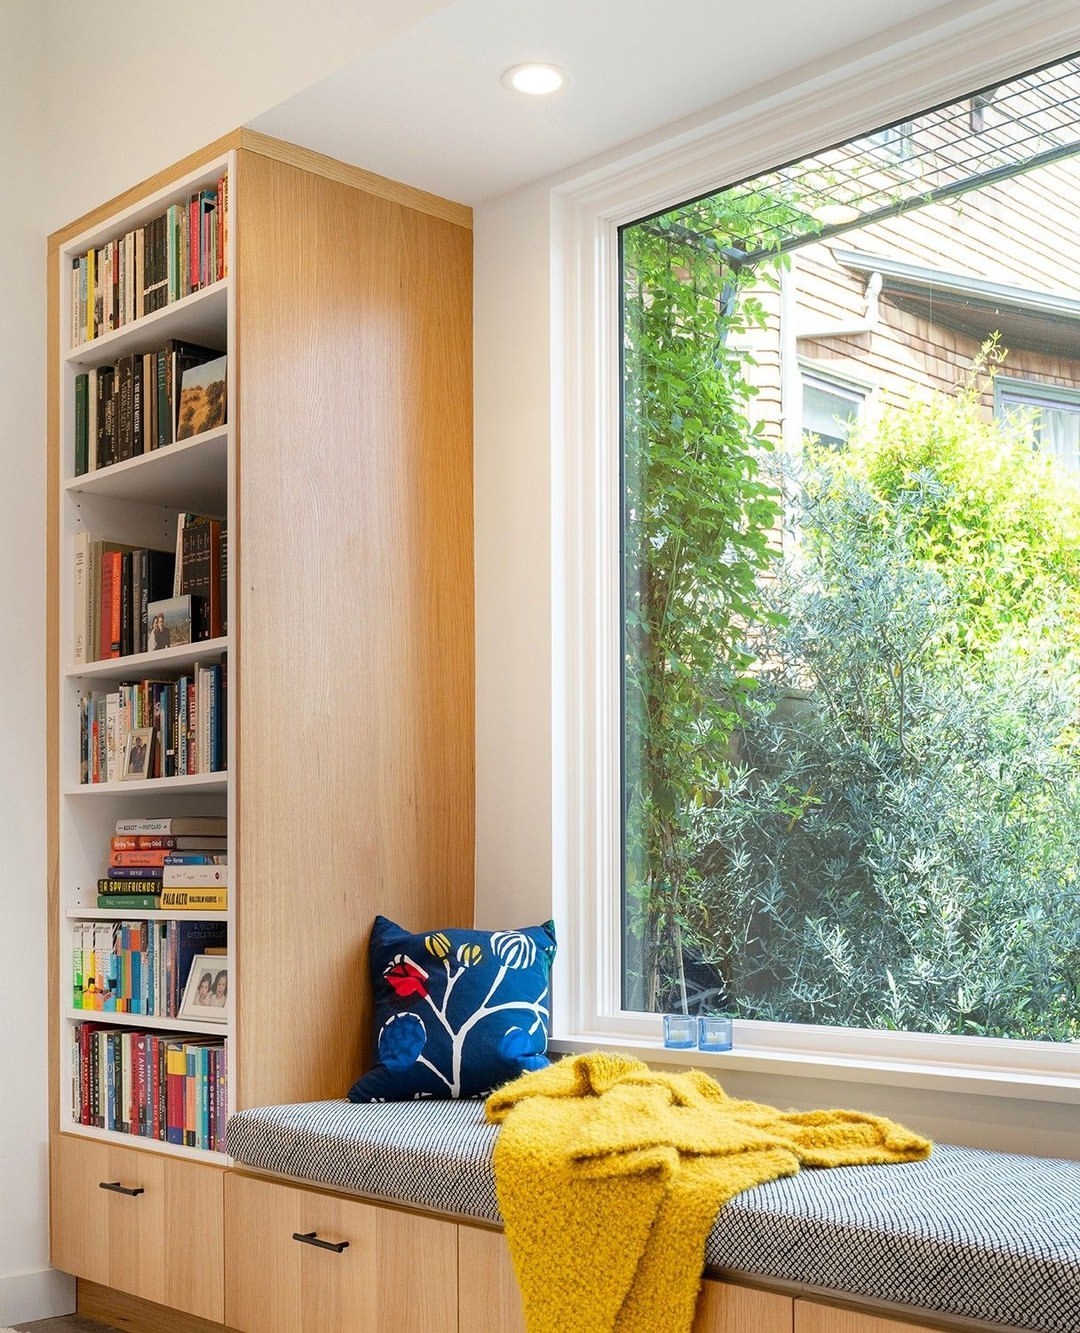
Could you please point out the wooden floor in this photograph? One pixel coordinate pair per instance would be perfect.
(68, 1323)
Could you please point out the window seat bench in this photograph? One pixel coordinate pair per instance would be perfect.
(966, 1239)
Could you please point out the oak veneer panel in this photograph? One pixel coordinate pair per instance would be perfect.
(165, 1245)
(398, 1271)
(813, 1318)
(353, 669)
(488, 1294)
(52, 674)
(725, 1308)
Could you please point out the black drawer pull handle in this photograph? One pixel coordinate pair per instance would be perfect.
(117, 1188)
(311, 1238)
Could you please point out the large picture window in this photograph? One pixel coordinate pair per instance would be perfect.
(850, 681)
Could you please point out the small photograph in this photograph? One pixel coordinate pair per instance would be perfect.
(206, 994)
(137, 753)
(202, 398)
(168, 623)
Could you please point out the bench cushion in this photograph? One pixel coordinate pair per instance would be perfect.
(988, 1236)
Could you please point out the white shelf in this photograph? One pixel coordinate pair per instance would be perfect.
(194, 468)
(149, 1022)
(200, 318)
(138, 914)
(139, 1141)
(189, 783)
(170, 661)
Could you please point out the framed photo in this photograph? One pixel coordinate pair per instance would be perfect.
(136, 764)
(202, 398)
(206, 995)
(168, 623)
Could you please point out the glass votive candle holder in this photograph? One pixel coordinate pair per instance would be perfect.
(680, 1032)
(714, 1032)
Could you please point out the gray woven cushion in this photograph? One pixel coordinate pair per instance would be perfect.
(988, 1236)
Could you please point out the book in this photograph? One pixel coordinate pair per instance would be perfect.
(153, 582)
(202, 398)
(216, 825)
(201, 576)
(169, 842)
(104, 417)
(194, 900)
(128, 902)
(140, 857)
(82, 423)
(110, 612)
(80, 598)
(194, 876)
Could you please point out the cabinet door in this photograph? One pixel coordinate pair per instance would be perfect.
(140, 1222)
(813, 1318)
(298, 1261)
(725, 1308)
(488, 1294)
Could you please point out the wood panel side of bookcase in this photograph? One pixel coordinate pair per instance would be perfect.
(352, 671)
(52, 672)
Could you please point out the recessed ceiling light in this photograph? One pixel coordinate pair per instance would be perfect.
(535, 79)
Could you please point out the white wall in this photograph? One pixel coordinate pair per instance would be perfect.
(75, 129)
(26, 1288)
(517, 407)
(118, 113)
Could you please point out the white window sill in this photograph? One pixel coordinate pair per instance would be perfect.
(999, 1080)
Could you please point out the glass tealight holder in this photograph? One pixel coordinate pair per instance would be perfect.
(714, 1032)
(680, 1032)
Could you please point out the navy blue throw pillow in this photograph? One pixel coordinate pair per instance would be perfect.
(458, 1013)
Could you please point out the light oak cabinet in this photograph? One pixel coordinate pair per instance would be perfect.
(140, 1222)
(726, 1308)
(488, 1297)
(810, 1317)
(345, 476)
(300, 1261)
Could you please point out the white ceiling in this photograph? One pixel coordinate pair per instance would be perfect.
(428, 107)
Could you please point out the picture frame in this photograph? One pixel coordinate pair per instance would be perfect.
(206, 994)
(168, 623)
(201, 405)
(138, 750)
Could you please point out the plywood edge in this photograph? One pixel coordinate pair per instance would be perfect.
(346, 174)
(52, 676)
(158, 181)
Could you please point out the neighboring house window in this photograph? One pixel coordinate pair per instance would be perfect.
(1050, 413)
(830, 405)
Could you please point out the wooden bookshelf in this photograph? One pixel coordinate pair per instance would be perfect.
(344, 477)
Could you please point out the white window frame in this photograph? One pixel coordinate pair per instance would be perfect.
(742, 139)
(830, 378)
(1015, 391)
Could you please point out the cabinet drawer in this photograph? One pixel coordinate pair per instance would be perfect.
(157, 1233)
(813, 1318)
(359, 1267)
(488, 1296)
(724, 1308)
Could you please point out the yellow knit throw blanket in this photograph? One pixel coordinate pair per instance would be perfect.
(609, 1176)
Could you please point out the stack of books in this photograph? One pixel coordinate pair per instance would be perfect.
(177, 863)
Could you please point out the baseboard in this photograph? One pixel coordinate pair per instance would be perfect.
(28, 1296)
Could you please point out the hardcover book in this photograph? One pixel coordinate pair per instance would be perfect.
(216, 825)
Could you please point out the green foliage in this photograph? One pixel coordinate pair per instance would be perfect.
(697, 520)
(896, 846)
